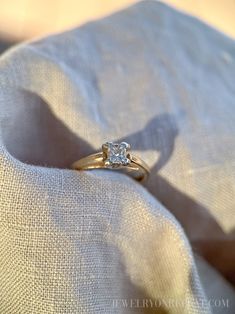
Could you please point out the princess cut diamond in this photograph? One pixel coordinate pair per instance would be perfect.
(116, 154)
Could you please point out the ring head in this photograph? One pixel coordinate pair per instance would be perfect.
(116, 154)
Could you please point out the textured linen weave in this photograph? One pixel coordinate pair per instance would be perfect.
(98, 242)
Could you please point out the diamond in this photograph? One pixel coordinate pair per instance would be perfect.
(116, 154)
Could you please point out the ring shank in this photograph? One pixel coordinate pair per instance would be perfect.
(137, 167)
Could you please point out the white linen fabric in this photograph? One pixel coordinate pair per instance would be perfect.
(97, 241)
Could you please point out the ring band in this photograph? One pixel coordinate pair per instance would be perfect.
(115, 156)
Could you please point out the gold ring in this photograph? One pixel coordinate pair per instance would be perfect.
(115, 156)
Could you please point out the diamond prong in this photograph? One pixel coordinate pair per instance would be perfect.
(105, 146)
(126, 145)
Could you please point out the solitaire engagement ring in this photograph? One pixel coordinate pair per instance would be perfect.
(115, 156)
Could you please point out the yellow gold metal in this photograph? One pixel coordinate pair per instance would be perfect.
(136, 167)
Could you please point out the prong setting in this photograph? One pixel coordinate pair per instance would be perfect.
(116, 154)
